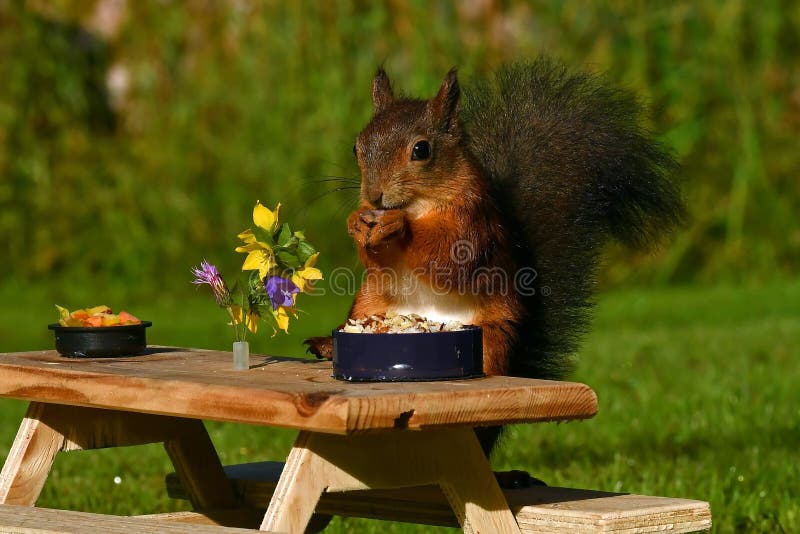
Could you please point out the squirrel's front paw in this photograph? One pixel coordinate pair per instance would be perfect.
(321, 347)
(371, 228)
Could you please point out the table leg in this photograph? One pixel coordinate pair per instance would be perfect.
(30, 458)
(48, 429)
(450, 457)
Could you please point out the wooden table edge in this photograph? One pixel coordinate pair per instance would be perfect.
(324, 412)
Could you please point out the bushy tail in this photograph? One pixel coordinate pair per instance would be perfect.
(571, 166)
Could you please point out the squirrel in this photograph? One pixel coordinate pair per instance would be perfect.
(530, 171)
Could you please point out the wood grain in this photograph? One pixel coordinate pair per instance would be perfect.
(48, 429)
(537, 509)
(26, 520)
(233, 517)
(29, 461)
(285, 392)
(198, 466)
(230, 517)
(322, 463)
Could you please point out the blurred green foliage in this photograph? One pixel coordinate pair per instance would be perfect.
(135, 137)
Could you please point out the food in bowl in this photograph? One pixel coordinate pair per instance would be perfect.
(400, 348)
(98, 332)
(95, 317)
(394, 323)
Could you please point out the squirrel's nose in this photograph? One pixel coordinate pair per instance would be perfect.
(376, 200)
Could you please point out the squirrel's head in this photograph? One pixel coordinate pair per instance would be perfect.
(411, 154)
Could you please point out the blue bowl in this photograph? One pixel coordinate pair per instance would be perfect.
(408, 357)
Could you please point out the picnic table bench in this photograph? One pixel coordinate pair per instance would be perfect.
(371, 449)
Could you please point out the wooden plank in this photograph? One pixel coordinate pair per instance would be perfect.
(321, 463)
(29, 461)
(28, 520)
(562, 509)
(229, 517)
(286, 392)
(237, 517)
(198, 466)
(48, 429)
(537, 509)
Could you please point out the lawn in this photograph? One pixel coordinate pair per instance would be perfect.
(697, 389)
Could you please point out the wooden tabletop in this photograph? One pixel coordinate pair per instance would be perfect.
(284, 392)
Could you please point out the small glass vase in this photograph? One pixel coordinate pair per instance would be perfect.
(241, 355)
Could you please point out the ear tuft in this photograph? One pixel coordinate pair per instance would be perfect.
(382, 94)
(444, 106)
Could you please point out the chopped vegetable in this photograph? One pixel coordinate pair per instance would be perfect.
(96, 316)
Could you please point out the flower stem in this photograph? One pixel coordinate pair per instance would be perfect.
(233, 324)
(245, 315)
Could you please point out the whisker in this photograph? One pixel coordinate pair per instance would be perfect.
(335, 190)
(338, 165)
(342, 180)
(329, 192)
(341, 183)
(346, 207)
(334, 178)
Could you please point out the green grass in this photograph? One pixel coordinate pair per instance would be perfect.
(697, 391)
(228, 104)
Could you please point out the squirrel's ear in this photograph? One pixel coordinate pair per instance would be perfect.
(382, 94)
(444, 106)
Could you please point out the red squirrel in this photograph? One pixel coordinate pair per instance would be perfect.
(529, 172)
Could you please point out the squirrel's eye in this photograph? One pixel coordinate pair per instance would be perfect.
(422, 150)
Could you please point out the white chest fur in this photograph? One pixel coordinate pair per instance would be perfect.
(414, 295)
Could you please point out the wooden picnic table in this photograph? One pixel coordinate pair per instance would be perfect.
(352, 436)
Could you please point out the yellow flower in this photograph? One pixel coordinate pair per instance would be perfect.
(251, 319)
(264, 218)
(282, 319)
(260, 259)
(259, 254)
(308, 272)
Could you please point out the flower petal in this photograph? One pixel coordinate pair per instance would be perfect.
(312, 260)
(247, 236)
(254, 260)
(282, 319)
(310, 273)
(264, 218)
(298, 280)
(237, 313)
(252, 322)
(265, 268)
(249, 247)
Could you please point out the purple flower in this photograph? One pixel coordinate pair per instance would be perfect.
(280, 291)
(208, 274)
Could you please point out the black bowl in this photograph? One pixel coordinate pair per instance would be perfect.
(408, 357)
(100, 341)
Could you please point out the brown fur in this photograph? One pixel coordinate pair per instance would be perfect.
(536, 168)
(427, 208)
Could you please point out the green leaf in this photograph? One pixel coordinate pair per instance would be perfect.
(256, 293)
(299, 234)
(285, 235)
(305, 250)
(288, 259)
(264, 236)
(254, 282)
